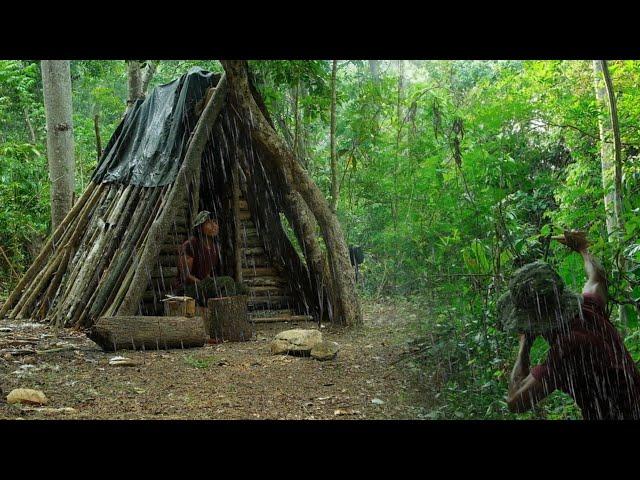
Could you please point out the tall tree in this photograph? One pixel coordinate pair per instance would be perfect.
(56, 82)
(147, 74)
(611, 158)
(610, 147)
(335, 186)
(134, 75)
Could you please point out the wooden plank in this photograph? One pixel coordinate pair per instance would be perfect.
(255, 261)
(271, 313)
(165, 272)
(286, 318)
(254, 251)
(271, 301)
(267, 290)
(250, 242)
(244, 215)
(264, 281)
(259, 272)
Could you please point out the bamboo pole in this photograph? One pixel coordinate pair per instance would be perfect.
(69, 234)
(37, 264)
(237, 247)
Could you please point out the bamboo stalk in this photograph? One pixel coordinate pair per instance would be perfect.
(30, 293)
(157, 200)
(37, 264)
(121, 217)
(55, 283)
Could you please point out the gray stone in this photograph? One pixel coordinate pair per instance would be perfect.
(325, 350)
(298, 341)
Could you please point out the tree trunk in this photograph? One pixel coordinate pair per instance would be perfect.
(147, 75)
(347, 303)
(335, 187)
(56, 83)
(228, 319)
(374, 69)
(609, 150)
(96, 127)
(611, 159)
(135, 82)
(152, 333)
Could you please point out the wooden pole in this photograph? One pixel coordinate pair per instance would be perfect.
(44, 255)
(237, 243)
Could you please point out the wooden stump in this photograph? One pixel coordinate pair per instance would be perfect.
(138, 332)
(228, 319)
(179, 307)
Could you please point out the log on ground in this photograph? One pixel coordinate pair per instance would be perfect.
(137, 332)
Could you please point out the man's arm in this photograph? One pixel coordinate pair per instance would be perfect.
(596, 276)
(185, 264)
(524, 389)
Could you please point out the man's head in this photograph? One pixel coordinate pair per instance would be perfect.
(206, 223)
(537, 301)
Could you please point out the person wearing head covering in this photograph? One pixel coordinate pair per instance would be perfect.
(198, 258)
(587, 358)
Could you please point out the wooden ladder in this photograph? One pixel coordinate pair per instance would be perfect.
(269, 296)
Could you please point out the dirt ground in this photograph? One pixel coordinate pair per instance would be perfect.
(367, 380)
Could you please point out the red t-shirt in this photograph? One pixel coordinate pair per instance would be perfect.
(590, 363)
(205, 259)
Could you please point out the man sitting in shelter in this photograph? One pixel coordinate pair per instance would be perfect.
(587, 358)
(198, 258)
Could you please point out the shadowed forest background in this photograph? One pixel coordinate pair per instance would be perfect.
(448, 174)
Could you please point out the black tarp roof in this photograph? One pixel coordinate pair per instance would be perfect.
(148, 146)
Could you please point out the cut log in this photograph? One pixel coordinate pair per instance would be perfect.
(284, 318)
(271, 313)
(228, 319)
(179, 307)
(253, 241)
(266, 290)
(254, 251)
(264, 281)
(255, 261)
(165, 272)
(259, 272)
(268, 301)
(136, 332)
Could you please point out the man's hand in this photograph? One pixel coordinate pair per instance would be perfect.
(574, 239)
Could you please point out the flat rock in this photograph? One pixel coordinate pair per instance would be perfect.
(27, 395)
(122, 362)
(297, 341)
(325, 350)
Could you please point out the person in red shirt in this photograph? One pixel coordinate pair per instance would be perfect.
(587, 358)
(198, 258)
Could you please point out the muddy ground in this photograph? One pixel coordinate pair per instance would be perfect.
(368, 379)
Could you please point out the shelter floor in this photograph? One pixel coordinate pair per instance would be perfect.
(225, 381)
